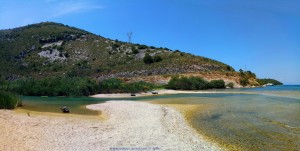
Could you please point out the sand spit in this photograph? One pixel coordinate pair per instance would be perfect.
(162, 92)
(129, 126)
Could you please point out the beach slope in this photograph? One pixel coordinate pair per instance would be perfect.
(128, 125)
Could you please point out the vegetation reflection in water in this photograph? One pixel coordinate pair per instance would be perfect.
(53, 104)
(77, 104)
(235, 121)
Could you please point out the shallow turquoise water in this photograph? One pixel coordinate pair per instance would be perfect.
(266, 119)
(253, 122)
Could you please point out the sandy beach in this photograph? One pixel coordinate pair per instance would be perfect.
(160, 92)
(124, 125)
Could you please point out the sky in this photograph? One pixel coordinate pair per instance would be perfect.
(262, 36)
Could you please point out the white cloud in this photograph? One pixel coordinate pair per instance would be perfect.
(50, 1)
(14, 14)
(69, 7)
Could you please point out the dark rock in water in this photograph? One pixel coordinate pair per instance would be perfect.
(132, 94)
(65, 109)
(154, 92)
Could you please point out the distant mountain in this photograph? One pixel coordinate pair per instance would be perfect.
(53, 49)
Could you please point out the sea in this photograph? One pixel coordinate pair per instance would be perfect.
(264, 118)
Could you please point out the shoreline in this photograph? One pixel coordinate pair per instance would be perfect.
(127, 124)
(163, 92)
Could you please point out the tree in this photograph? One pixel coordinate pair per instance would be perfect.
(148, 59)
(241, 72)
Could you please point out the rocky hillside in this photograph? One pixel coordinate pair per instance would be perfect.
(52, 49)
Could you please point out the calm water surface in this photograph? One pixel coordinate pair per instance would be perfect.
(256, 119)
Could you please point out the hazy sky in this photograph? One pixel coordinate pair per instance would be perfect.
(258, 35)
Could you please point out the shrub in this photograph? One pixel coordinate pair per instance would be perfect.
(229, 68)
(216, 84)
(184, 83)
(166, 49)
(230, 85)
(172, 83)
(3, 83)
(135, 51)
(157, 58)
(198, 83)
(245, 76)
(142, 47)
(115, 85)
(110, 85)
(9, 100)
(148, 59)
(140, 86)
(116, 45)
(244, 82)
(60, 48)
(55, 86)
(193, 83)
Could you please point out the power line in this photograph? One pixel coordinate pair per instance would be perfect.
(129, 37)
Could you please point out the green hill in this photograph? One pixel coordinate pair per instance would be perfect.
(51, 49)
(268, 81)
